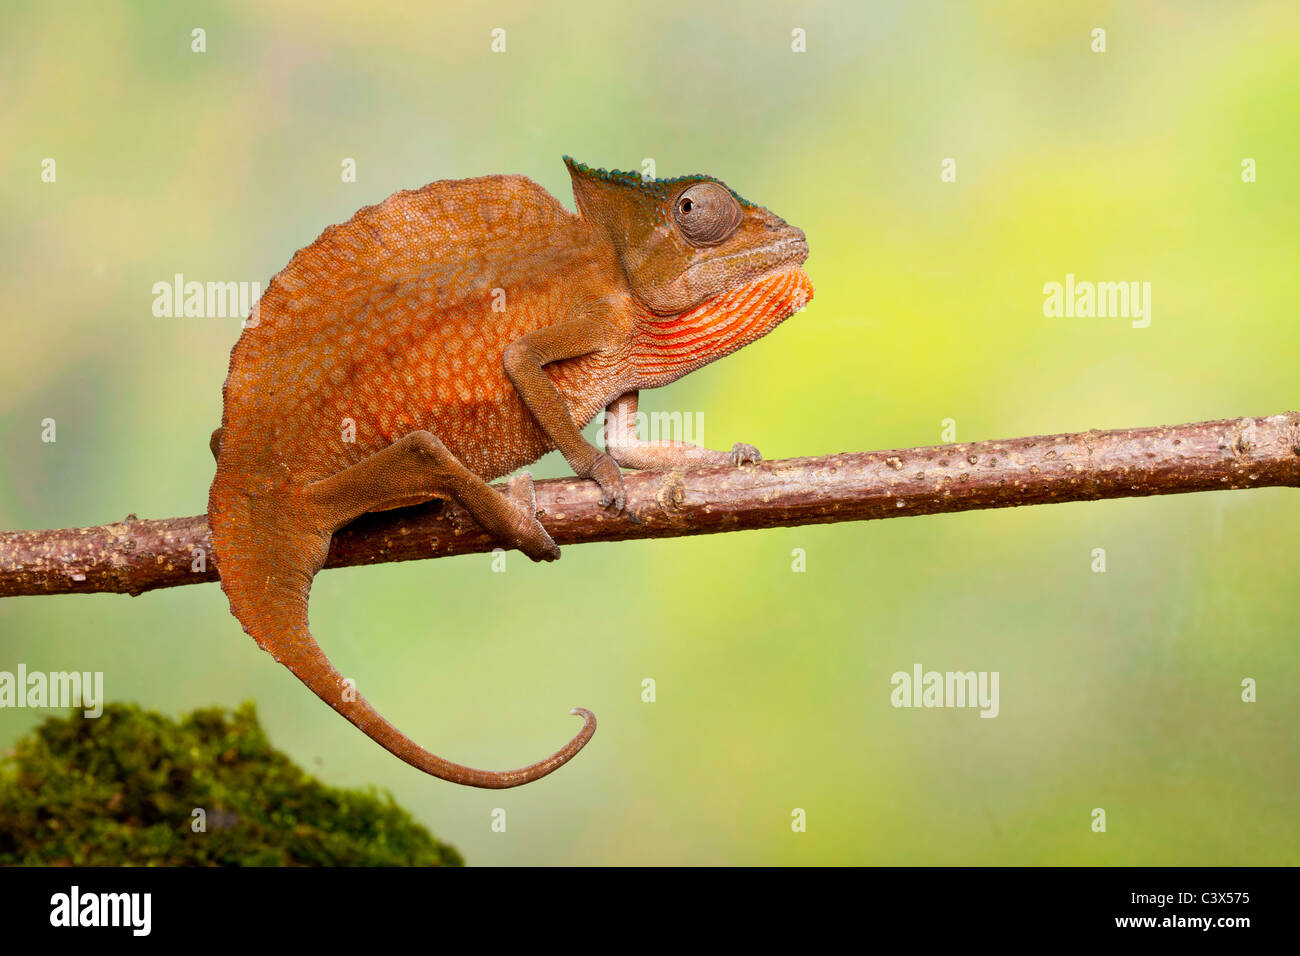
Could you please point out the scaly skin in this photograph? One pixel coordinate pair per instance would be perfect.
(452, 334)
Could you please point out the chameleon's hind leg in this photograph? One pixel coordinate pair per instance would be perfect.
(418, 467)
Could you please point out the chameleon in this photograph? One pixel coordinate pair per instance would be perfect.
(449, 336)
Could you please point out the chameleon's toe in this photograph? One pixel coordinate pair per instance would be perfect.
(743, 454)
(534, 540)
(605, 472)
(521, 490)
(529, 536)
(539, 545)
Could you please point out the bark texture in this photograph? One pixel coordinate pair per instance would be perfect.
(134, 555)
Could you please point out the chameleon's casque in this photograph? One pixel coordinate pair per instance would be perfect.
(452, 334)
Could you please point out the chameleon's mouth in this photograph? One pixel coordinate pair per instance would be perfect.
(789, 250)
(793, 244)
(785, 251)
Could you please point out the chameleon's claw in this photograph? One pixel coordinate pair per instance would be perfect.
(743, 454)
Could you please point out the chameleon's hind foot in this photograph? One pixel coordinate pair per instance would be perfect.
(420, 466)
(528, 535)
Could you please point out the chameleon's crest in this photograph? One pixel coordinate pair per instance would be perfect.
(659, 189)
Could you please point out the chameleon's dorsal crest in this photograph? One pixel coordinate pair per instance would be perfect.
(597, 188)
(615, 199)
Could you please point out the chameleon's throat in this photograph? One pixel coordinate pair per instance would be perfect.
(665, 350)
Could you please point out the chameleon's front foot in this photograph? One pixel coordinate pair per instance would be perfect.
(744, 454)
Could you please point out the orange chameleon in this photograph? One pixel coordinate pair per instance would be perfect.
(389, 320)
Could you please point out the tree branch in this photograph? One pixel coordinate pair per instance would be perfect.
(134, 556)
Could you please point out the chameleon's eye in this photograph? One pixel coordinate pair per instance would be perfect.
(707, 213)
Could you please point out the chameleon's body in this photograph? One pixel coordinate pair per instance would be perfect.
(452, 334)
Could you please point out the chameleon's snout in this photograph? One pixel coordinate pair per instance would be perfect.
(789, 247)
(799, 243)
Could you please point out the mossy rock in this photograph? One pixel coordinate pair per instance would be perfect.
(121, 790)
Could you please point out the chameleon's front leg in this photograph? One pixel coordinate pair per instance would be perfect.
(524, 360)
(628, 450)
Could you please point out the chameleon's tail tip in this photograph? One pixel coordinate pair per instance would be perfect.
(588, 726)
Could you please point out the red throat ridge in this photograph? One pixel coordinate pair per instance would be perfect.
(665, 350)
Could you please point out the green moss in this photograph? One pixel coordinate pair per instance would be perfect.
(121, 790)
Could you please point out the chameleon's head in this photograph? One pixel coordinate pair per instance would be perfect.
(685, 241)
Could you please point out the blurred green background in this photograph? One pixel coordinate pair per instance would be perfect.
(1118, 690)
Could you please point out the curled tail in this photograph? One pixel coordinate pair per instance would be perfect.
(266, 571)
